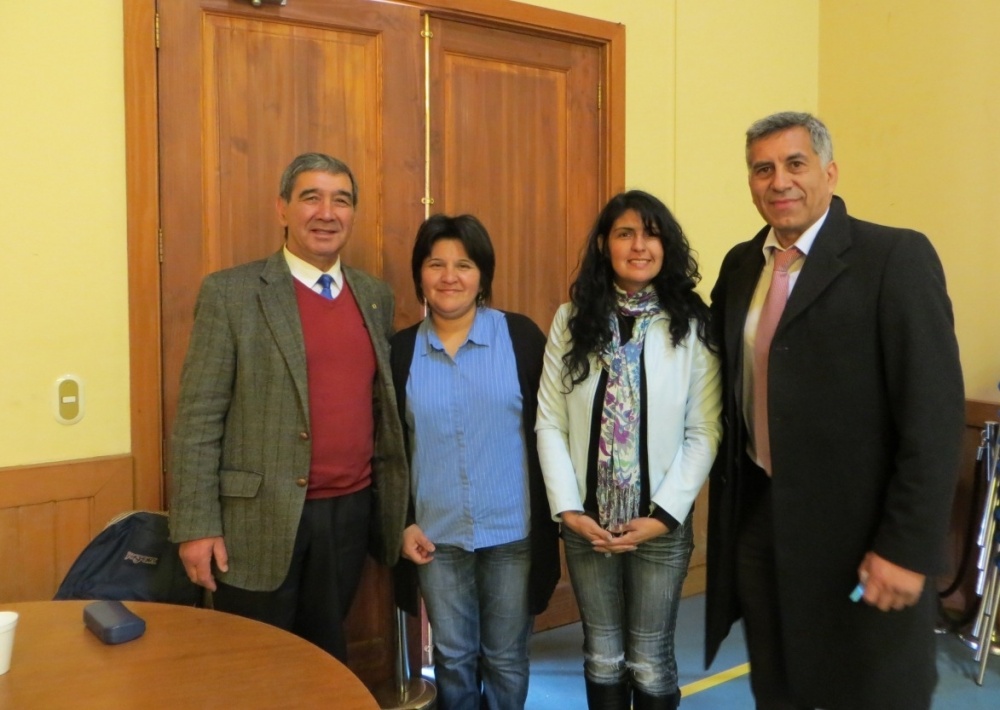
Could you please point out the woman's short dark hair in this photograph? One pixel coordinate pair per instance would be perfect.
(474, 237)
(593, 293)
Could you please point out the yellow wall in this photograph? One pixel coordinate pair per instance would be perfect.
(906, 88)
(737, 62)
(697, 76)
(911, 92)
(63, 295)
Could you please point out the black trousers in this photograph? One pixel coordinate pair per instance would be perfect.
(313, 601)
(757, 588)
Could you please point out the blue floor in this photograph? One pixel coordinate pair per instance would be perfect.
(557, 670)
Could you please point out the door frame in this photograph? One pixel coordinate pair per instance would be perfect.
(143, 199)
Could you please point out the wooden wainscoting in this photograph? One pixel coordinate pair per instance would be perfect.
(48, 514)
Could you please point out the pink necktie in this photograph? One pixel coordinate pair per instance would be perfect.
(770, 314)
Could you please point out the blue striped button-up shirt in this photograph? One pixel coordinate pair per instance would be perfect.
(469, 464)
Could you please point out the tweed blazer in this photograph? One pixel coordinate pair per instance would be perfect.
(241, 442)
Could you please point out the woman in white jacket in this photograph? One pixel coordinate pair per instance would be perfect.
(628, 426)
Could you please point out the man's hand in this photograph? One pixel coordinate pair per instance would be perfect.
(887, 585)
(416, 546)
(197, 556)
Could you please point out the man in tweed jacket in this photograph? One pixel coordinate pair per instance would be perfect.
(288, 460)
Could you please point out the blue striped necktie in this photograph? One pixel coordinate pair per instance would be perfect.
(325, 280)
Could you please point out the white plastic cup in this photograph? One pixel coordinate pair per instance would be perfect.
(8, 620)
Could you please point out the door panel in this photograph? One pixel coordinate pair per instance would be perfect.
(258, 88)
(244, 90)
(515, 140)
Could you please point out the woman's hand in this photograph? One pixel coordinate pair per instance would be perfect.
(416, 546)
(628, 539)
(584, 525)
(638, 531)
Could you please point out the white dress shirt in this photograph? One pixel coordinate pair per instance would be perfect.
(309, 275)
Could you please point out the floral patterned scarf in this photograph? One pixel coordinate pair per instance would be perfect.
(618, 478)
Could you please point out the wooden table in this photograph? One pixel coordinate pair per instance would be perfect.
(188, 658)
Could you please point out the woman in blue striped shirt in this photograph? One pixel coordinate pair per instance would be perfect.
(480, 533)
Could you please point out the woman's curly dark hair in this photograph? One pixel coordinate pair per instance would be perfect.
(593, 293)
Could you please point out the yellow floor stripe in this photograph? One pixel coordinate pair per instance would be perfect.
(714, 680)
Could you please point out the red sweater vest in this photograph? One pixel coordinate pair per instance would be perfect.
(340, 363)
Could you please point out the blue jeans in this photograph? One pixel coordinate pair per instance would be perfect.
(628, 604)
(477, 604)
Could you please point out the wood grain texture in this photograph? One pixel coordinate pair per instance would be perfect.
(143, 220)
(515, 138)
(49, 513)
(186, 658)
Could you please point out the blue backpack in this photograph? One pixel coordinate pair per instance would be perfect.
(132, 559)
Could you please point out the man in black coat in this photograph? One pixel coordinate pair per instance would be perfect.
(847, 478)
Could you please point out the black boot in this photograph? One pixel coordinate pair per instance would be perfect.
(644, 701)
(615, 696)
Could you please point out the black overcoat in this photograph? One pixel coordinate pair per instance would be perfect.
(866, 414)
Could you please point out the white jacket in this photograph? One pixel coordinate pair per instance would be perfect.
(683, 425)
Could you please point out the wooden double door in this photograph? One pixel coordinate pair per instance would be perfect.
(434, 112)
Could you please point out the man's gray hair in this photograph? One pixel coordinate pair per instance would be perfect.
(818, 133)
(315, 162)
